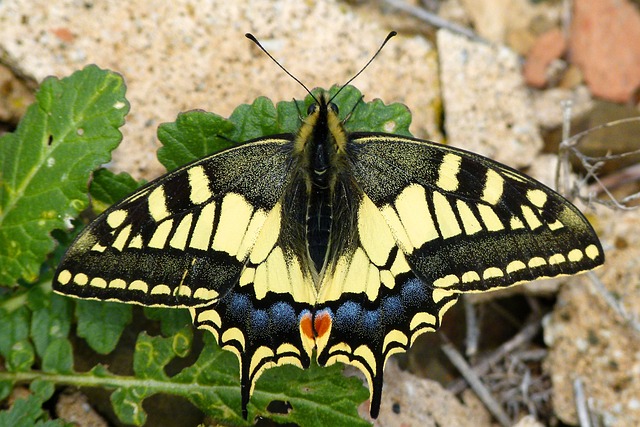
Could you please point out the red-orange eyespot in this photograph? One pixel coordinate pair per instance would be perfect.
(322, 323)
(306, 326)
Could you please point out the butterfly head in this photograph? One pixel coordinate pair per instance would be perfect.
(322, 139)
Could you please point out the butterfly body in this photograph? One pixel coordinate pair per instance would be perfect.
(349, 245)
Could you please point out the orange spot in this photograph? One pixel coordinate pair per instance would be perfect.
(64, 34)
(322, 323)
(305, 325)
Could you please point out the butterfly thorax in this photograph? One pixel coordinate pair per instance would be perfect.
(320, 143)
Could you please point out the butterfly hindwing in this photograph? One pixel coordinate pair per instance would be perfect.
(259, 318)
(373, 301)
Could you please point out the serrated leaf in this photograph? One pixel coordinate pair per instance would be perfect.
(42, 389)
(23, 413)
(50, 321)
(107, 188)
(101, 323)
(127, 404)
(255, 120)
(193, 135)
(45, 164)
(196, 134)
(28, 412)
(317, 396)
(58, 357)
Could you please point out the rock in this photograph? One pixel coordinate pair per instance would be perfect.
(487, 106)
(192, 54)
(74, 408)
(548, 105)
(408, 400)
(15, 97)
(528, 421)
(590, 340)
(548, 47)
(604, 43)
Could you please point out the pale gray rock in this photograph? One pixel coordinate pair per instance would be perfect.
(488, 109)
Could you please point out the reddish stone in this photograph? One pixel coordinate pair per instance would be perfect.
(605, 44)
(547, 47)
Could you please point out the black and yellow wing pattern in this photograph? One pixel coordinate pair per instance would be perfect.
(349, 245)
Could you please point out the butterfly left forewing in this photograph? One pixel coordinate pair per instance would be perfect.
(181, 240)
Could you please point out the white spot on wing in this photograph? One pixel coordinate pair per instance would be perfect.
(199, 184)
(493, 187)
(158, 204)
(448, 172)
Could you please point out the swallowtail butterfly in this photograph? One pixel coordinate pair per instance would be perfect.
(347, 244)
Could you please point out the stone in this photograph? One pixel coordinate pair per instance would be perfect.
(192, 54)
(548, 47)
(488, 108)
(590, 340)
(604, 44)
(408, 400)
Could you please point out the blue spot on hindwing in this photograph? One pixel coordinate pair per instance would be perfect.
(347, 314)
(259, 324)
(392, 310)
(283, 318)
(239, 308)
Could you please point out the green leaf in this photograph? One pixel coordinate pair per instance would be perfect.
(15, 346)
(171, 320)
(23, 413)
(33, 322)
(101, 323)
(58, 357)
(255, 120)
(42, 389)
(127, 404)
(193, 135)
(318, 396)
(5, 389)
(196, 134)
(107, 188)
(50, 319)
(28, 412)
(46, 163)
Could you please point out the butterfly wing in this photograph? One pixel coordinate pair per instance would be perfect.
(260, 319)
(470, 224)
(212, 237)
(433, 222)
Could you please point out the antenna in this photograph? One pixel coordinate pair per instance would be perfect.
(257, 43)
(255, 40)
(389, 36)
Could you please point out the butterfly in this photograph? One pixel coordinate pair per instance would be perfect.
(346, 244)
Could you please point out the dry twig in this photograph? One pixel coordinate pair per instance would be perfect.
(474, 381)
